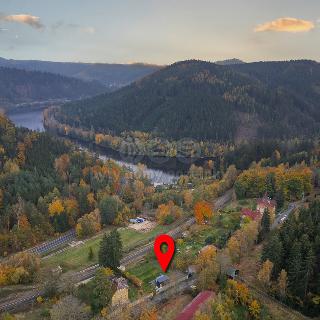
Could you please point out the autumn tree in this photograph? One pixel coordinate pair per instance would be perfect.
(202, 211)
(69, 308)
(148, 313)
(56, 207)
(62, 165)
(282, 283)
(264, 275)
(168, 213)
(89, 224)
(255, 309)
(188, 198)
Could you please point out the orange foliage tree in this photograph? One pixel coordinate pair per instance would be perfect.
(202, 211)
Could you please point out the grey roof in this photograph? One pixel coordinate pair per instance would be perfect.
(232, 271)
(162, 278)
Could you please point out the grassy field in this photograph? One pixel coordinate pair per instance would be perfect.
(77, 257)
(146, 271)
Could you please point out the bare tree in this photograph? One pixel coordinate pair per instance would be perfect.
(69, 308)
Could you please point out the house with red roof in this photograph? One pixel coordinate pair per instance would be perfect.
(189, 311)
(266, 203)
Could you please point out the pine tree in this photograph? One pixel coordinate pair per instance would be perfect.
(280, 198)
(307, 269)
(265, 226)
(90, 254)
(295, 269)
(273, 251)
(271, 185)
(110, 252)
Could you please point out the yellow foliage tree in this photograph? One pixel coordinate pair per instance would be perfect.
(254, 309)
(56, 207)
(264, 275)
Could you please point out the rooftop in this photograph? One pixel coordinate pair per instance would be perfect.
(162, 278)
(189, 311)
(267, 202)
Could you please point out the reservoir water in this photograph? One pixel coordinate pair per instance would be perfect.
(33, 120)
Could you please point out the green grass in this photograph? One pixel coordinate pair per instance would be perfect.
(243, 203)
(77, 258)
(146, 271)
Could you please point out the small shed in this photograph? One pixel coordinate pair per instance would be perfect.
(232, 273)
(192, 270)
(161, 281)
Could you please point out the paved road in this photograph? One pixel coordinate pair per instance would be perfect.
(132, 257)
(283, 216)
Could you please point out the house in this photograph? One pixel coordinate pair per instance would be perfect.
(253, 215)
(232, 273)
(192, 270)
(266, 203)
(189, 311)
(121, 294)
(161, 281)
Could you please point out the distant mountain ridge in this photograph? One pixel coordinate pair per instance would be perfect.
(20, 87)
(207, 101)
(229, 62)
(113, 76)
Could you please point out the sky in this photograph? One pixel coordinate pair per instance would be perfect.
(159, 31)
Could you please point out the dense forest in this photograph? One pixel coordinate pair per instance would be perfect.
(294, 253)
(112, 76)
(206, 101)
(48, 187)
(20, 86)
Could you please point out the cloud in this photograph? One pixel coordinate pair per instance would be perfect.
(72, 26)
(90, 30)
(286, 25)
(27, 19)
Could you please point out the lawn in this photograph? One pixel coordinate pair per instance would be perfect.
(146, 271)
(77, 258)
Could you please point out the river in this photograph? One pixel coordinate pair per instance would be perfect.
(33, 119)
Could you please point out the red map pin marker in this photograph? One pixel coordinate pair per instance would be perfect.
(164, 258)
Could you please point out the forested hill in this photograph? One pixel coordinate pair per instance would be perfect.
(204, 100)
(19, 86)
(110, 75)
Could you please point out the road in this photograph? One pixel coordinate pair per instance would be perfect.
(283, 216)
(28, 298)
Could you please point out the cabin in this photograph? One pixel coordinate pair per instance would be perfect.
(266, 203)
(190, 310)
(121, 293)
(232, 273)
(161, 281)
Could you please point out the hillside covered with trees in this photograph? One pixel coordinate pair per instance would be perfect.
(293, 252)
(206, 101)
(110, 75)
(48, 187)
(20, 86)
